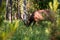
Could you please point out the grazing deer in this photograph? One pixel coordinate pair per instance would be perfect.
(40, 15)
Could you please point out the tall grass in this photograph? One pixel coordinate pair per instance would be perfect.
(18, 31)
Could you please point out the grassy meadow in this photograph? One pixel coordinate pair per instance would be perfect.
(18, 31)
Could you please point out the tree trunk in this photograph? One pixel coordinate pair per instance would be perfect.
(9, 10)
(18, 10)
(25, 12)
(0, 2)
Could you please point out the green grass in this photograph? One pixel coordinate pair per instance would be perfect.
(37, 32)
(21, 32)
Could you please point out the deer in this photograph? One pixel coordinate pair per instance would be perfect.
(40, 15)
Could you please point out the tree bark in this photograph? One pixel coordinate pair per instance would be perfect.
(18, 10)
(9, 10)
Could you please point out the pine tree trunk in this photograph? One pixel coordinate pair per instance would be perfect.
(9, 10)
(18, 10)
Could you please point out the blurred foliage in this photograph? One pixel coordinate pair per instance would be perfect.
(18, 31)
(53, 6)
(9, 29)
(2, 11)
(37, 4)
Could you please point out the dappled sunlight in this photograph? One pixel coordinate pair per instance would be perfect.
(14, 14)
(47, 30)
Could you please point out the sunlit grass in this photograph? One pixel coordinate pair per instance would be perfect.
(18, 31)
